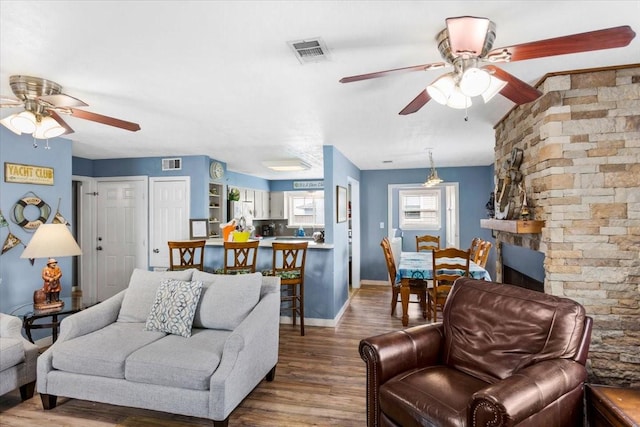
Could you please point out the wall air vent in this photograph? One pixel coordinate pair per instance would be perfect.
(310, 50)
(172, 164)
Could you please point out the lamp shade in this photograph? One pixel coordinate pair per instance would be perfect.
(51, 240)
(25, 122)
(474, 82)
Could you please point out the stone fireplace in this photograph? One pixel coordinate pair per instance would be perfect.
(581, 172)
(522, 267)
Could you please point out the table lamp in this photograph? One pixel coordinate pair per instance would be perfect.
(50, 240)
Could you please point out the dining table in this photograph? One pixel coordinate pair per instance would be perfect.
(419, 266)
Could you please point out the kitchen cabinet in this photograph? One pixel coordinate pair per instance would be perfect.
(215, 209)
(278, 205)
(261, 204)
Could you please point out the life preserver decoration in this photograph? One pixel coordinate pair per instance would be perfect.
(33, 200)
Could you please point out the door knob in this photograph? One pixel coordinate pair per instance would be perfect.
(99, 248)
(156, 251)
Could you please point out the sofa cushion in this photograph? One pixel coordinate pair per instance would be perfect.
(104, 351)
(226, 299)
(141, 293)
(176, 361)
(174, 307)
(11, 352)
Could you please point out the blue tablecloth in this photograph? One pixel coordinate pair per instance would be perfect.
(419, 265)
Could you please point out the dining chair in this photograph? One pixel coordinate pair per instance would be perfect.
(240, 257)
(186, 254)
(475, 245)
(427, 243)
(288, 265)
(448, 265)
(482, 254)
(416, 287)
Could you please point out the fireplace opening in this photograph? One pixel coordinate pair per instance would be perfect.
(515, 277)
(522, 267)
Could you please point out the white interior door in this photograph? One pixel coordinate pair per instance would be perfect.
(121, 236)
(169, 204)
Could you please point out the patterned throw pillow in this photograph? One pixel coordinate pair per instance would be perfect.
(174, 307)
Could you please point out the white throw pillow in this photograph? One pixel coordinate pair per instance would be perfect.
(174, 307)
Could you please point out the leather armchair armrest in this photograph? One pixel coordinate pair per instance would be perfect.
(525, 393)
(390, 354)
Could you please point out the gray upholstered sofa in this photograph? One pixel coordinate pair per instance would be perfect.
(106, 354)
(17, 358)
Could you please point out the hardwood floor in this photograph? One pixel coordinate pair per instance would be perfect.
(320, 380)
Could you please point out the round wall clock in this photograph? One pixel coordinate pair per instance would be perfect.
(216, 170)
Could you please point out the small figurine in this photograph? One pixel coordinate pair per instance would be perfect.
(51, 275)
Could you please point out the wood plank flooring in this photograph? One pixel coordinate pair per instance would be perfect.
(320, 380)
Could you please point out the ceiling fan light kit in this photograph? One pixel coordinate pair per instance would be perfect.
(467, 41)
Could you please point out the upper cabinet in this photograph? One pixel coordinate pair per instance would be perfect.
(278, 205)
(261, 204)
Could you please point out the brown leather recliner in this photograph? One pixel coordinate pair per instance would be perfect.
(502, 356)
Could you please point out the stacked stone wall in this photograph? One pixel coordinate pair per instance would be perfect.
(581, 169)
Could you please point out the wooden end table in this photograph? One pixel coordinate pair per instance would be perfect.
(30, 316)
(612, 406)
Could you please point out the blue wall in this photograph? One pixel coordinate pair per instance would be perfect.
(19, 277)
(475, 186)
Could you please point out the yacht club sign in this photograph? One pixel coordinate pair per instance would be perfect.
(28, 174)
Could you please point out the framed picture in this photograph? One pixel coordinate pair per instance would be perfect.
(341, 203)
(198, 228)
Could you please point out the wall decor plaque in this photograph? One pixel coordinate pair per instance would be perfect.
(27, 174)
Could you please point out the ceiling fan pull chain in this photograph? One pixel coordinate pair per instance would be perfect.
(35, 143)
(46, 147)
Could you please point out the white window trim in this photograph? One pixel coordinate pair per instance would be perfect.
(290, 195)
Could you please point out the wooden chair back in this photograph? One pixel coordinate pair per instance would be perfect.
(448, 265)
(186, 254)
(482, 254)
(475, 245)
(388, 257)
(240, 257)
(427, 243)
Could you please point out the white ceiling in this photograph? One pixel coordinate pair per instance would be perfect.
(218, 78)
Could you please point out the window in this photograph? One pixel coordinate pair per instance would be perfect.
(419, 209)
(306, 208)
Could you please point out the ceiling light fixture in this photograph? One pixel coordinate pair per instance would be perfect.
(456, 89)
(37, 125)
(433, 178)
(291, 165)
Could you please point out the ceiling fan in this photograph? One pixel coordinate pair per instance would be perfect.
(466, 44)
(43, 100)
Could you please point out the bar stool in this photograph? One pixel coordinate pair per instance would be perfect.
(288, 265)
(243, 255)
(190, 254)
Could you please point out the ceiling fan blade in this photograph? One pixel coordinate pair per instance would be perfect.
(385, 73)
(61, 100)
(61, 122)
(467, 34)
(584, 42)
(106, 120)
(516, 90)
(417, 103)
(6, 101)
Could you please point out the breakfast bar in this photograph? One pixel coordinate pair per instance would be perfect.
(319, 292)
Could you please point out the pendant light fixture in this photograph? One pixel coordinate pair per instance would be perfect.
(433, 178)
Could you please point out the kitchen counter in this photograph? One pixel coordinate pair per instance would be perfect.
(267, 241)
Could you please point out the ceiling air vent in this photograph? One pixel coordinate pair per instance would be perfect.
(172, 164)
(310, 50)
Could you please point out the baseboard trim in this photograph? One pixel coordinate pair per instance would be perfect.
(375, 282)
